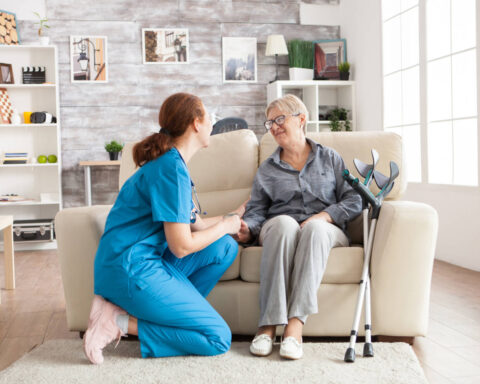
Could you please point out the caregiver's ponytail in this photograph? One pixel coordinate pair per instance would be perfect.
(178, 111)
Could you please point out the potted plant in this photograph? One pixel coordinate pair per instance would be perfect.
(300, 58)
(44, 40)
(113, 148)
(339, 120)
(344, 69)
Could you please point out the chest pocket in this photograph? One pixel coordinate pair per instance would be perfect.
(323, 185)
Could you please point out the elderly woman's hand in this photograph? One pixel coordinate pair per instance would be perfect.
(243, 235)
(319, 216)
(241, 209)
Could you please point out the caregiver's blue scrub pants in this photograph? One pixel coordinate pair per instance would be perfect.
(174, 318)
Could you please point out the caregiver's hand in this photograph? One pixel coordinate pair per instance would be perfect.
(244, 235)
(231, 221)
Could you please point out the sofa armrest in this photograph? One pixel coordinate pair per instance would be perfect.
(401, 267)
(78, 232)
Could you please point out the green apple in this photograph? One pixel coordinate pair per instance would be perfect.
(42, 159)
(52, 158)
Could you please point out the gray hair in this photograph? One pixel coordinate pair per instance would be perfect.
(288, 104)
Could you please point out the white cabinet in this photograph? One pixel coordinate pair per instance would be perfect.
(39, 184)
(319, 96)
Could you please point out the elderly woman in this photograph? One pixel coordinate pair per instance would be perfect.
(298, 209)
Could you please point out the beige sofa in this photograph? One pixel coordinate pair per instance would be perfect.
(401, 264)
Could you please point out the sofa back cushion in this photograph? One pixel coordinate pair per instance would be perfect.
(352, 145)
(223, 172)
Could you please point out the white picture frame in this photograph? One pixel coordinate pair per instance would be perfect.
(96, 70)
(237, 56)
(173, 48)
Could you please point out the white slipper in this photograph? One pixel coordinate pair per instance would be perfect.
(261, 345)
(291, 348)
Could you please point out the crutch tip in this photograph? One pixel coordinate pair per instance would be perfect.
(350, 355)
(368, 350)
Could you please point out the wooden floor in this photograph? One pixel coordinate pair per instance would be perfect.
(35, 312)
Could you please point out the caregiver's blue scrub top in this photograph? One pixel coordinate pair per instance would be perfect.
(134, 237)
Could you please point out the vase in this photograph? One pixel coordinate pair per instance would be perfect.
(297, 74)
(44, 40)
(113, 155)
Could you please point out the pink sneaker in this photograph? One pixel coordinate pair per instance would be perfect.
(102, 328)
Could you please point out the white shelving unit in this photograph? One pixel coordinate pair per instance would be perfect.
(39, 183)
(318, 95)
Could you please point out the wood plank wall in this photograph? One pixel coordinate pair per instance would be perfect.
(126, 108)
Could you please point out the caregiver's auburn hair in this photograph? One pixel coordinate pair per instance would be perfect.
(177, 112)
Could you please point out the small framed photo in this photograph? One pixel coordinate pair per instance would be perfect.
(328, 55)
(88, 59)
(8, 28)
(165, 46)
(239, 56)
(6, 73)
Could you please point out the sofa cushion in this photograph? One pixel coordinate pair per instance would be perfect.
(233, 272)
(344, 265)
(223, 172)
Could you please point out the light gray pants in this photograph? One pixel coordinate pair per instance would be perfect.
(292, 267)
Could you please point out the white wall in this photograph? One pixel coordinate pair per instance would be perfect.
(360, 24)
(458, 208)
(24, 9)
(458, 211)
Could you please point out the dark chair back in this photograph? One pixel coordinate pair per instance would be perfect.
(229, 124)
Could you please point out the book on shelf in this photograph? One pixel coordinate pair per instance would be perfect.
(14, 161)
(15, 158)
(16, 154)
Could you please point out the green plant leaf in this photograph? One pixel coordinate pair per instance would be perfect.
(113, 146)
(344, 67)
(300, 54)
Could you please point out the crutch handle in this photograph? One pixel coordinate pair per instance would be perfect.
(363, 191)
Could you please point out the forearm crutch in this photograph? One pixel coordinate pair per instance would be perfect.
(374, 202)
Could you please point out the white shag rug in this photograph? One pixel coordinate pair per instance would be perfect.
(63, 361)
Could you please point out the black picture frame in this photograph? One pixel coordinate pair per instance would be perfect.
(6, 74)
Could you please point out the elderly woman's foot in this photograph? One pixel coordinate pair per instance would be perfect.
(102, 328)
(291, 347)
(263, 342)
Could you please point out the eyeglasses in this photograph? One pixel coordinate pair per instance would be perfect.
(279, 120)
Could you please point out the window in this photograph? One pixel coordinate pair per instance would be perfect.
(401, 72)
(448, 119)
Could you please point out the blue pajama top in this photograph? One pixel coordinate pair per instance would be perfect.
(134, 237)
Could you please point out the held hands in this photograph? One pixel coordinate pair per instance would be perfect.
(243, 235)
(319, 216)
(232, 222)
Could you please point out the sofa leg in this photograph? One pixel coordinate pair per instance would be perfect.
(395, 339)
(81, 333)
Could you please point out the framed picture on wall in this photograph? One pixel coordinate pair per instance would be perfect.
(328, 55)
(88, 59)
(239, 57)
(8, 28)
(165, 46)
